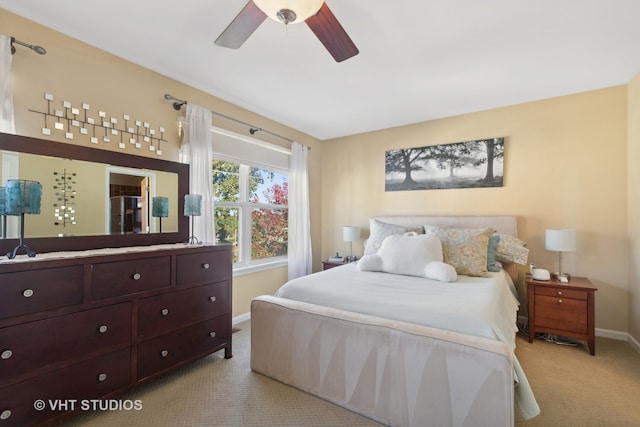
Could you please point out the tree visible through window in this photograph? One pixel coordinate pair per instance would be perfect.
(250, 211)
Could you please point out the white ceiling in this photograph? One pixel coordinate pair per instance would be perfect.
(419, 59)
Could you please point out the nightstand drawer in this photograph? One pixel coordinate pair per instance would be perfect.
(561, 313)
(562, 292)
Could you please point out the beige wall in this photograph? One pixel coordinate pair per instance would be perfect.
(565, 166)
(634, 207)
(75, 72)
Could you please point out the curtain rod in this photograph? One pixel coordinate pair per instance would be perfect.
(177, 105)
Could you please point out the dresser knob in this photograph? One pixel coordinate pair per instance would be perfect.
(559, 301)
(212, 334)
(137, 276)
(103, 329)
(27, 293)
(164, 311)
(212, 299)
(205, 266)
(5, 414)
(164, 353)
(102, 377)
(6, 354)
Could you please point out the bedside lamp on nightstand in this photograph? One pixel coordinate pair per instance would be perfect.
(562, 241)
(350, 233)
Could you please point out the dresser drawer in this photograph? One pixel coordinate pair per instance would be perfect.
(32, 291)
(189, 343)
(562, 292)
(111, 279)
(31, 346)
(203, 267)
(90, 379)
(162, 313)
(561, 313)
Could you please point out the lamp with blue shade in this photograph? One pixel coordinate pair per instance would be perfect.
(160, 208)
(22, 197)
(193, 207)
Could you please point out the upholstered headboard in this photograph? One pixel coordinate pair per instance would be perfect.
(503, 224)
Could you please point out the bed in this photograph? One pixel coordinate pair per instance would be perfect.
(401, 349)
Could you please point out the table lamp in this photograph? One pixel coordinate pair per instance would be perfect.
(193, 207)
(22, 197)
(563, 240)
(160, 208)
(351, 233)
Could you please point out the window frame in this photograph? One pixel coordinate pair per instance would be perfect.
(246, 265)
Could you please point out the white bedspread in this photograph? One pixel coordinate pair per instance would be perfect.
(484, 307)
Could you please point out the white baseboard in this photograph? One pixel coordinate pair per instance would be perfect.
(614, 335)
(241, 318)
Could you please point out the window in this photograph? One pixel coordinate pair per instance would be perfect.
(251, 211)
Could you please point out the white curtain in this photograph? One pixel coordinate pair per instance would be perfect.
(197, 151)
(299, 251)
(7, 121)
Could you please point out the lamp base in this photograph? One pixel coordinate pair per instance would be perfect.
(561, 277)
(29, 252)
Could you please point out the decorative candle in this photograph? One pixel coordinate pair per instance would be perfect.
(22, 197)
(160, 207)
(192, 204)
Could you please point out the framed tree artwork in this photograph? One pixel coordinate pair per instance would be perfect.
(469, 164)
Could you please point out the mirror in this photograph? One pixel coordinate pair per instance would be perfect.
(79, 184)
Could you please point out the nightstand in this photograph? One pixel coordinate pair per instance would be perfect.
(566, 309)
(330, 264)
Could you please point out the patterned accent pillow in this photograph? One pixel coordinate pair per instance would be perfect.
(512, 249)
(378, 230)
(464, 248)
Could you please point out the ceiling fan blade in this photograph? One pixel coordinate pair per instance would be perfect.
(331, 34)
(242, 26)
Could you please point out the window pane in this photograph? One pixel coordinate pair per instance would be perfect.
(227, 229)
(266, 186)
(269, 233)
(226, 181)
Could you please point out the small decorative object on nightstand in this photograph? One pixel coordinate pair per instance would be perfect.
(566, 309)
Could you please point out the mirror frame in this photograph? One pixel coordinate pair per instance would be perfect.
(25, 144)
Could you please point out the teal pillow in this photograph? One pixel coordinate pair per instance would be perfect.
(493, 264)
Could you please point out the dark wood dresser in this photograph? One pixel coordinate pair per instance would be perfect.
(73, 329)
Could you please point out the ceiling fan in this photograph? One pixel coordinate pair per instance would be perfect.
(315, 13)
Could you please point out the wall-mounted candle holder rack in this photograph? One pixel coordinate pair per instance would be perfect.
(105, 128)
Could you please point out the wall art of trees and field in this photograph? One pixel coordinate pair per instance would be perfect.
(469, 164)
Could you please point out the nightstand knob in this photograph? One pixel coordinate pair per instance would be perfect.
(559, 301)
(559, 292)
(102, 377)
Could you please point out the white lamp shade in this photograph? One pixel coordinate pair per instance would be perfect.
(350, 233)
(302, 8)
(563, 240)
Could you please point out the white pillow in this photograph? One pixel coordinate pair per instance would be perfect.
(370, 263)
(440, 271)
(409, 254)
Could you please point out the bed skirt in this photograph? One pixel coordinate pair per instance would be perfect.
(397, 373)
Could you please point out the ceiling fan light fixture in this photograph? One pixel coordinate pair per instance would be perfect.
(289, 11)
